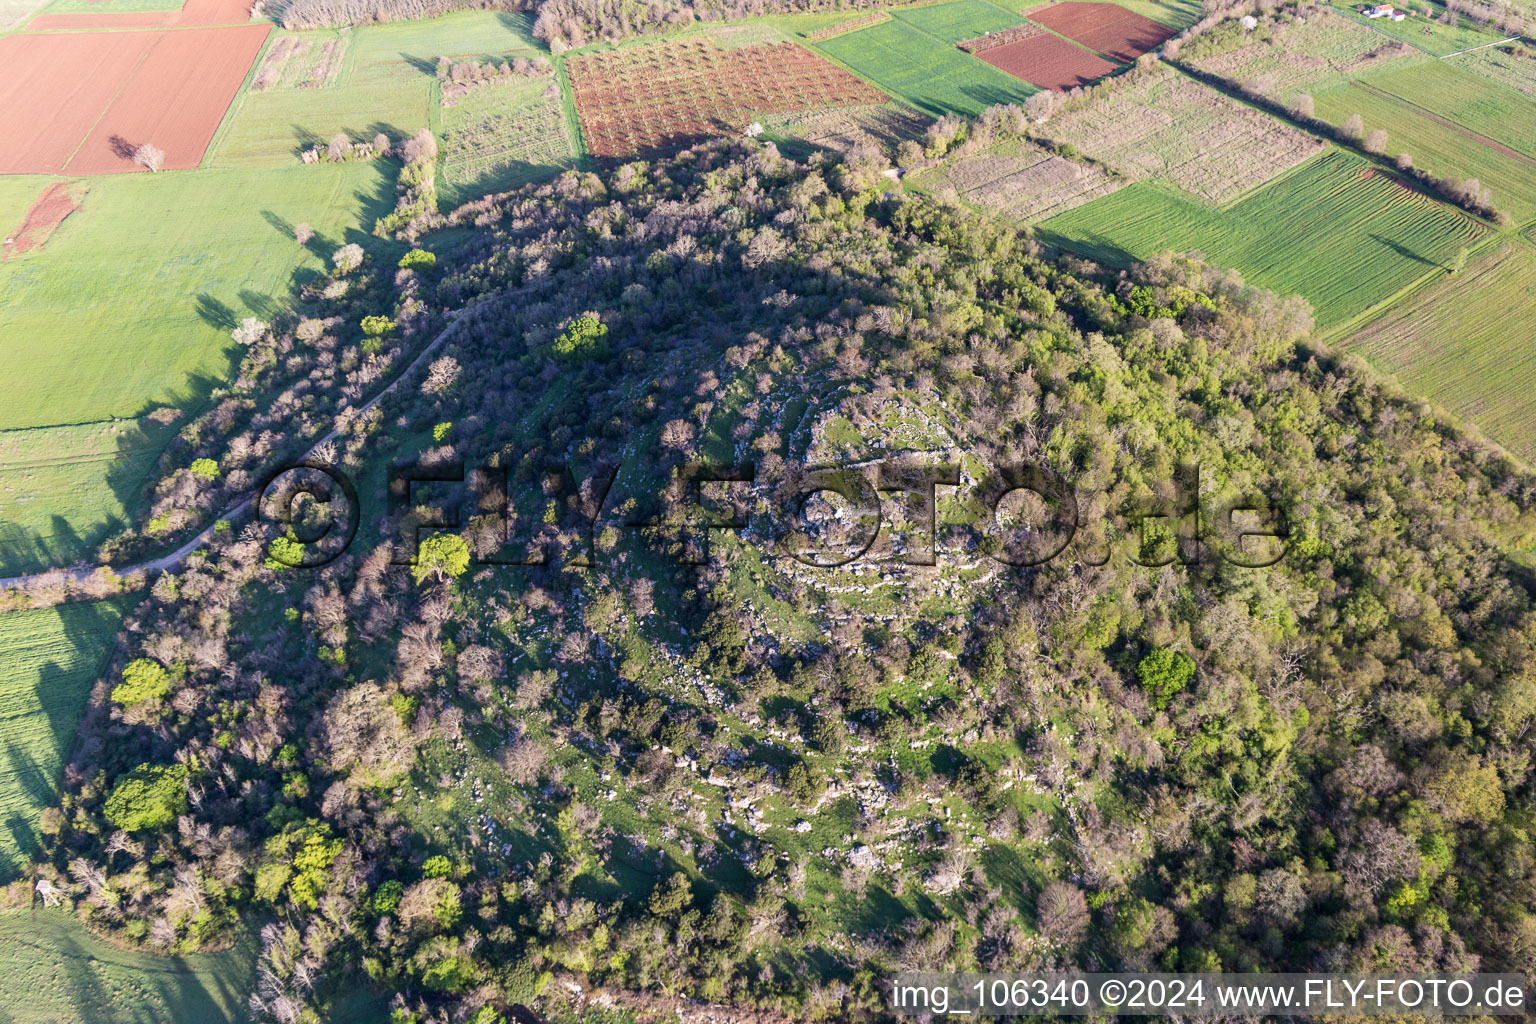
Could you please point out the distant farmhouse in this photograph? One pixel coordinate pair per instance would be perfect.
(1383, 11)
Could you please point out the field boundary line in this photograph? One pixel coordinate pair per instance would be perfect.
(1370, 314)
(1328, 147)
(1480, 46)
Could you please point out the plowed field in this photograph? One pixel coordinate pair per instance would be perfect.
(1108, 28)
(194, 12)
(1048, 62)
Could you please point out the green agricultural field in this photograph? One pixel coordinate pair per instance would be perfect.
(1425, 31)
(1445, 90)
(1179, 14)
(109, 6)
(1317, 53)
(17, 194)
(49, 660)
(1451, 342)
(1511, 65)
(386, 84)
(130, 304)
(501, 136)
(934, 77)
(1344, 241)
(1440, 146)
(959, 21)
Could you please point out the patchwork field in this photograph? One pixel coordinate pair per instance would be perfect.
(129, 306)
(1022, 180)
(1451, 342)
(931, 75)
(1049, 62)
(666, 95)
(1439, 144)
(49, 660)
(1108, 28)
(299, 62)
(500, 136)
(108, 92)
(385, 83)
(1320, 51)
(1163, 124)
(1335, 232)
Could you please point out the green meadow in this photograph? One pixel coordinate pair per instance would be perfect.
(1427, 33)
(1343, 240)
(919, 68)
(128, 308)
(49, 660)
(958, 21)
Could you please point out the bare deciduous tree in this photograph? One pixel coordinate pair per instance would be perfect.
(149, 156)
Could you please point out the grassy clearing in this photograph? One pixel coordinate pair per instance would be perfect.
(501, 136)
(932, 76)
(64, 490)
(1451, 342)
(129, 307)
(1511, 65)
(1439, 147)
(17, 194)
(1429, 35)
(49, 660)
(1166, 125)
(386, 84)
(1343, 241)
(959, 21)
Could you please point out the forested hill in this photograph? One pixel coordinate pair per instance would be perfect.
(767, 784)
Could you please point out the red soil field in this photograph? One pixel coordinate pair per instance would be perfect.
(166, 88)
(53, 88)
(48, 212)
(193, 12)
(1048, 62)
(668, 95)
(175, 99)
(1108, 28)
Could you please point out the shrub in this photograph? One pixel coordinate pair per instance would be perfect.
(204, 469)
(584, 338)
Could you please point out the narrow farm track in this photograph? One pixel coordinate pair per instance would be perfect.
(170, 561)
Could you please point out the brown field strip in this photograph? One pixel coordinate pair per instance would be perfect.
(1108, 28)
(57, 202)
(166, 88)
(193, 12)
(1048, 62)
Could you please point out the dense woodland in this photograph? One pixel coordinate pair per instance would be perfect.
(1320, 764)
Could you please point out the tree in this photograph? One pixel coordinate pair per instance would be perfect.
(1062, 913)
(381, 144)
(144, 680)
(377, 326)
(1352, 128)
(1164, 673)
(418, 259)
(303, 233)
(441, 556)
(340, 147)
(584, 338)
(1404, 161)
(150, 796)
(149, 156)
(1376, 141)
(249, 332)
(1304, 107)
(348, 258)
(420, 147)
(670, 897)
(204, 469)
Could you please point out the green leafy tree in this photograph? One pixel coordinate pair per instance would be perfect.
(377, 326)
(443, 556)
(1164, 673)
(670, 897)
(204, 469)
(584, 338)
(150, 796)
(143, 681)
(284, 553)
(418, 259)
